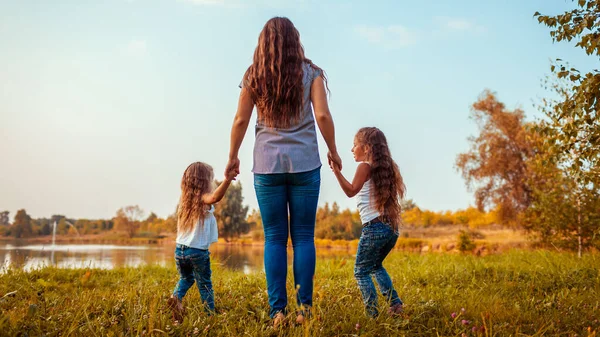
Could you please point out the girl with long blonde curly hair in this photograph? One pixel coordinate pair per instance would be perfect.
(379, 188)
(196, 230)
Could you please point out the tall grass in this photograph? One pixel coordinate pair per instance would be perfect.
(517, 293)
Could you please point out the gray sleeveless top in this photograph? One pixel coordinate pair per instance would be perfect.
(293, 149)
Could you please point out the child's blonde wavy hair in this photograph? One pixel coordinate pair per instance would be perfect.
(197, 180)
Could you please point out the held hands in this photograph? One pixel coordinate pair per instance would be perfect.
(230, 175)
(335, 162)
(232, 169)
(335, 168)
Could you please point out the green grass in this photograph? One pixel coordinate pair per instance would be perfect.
(517, 293)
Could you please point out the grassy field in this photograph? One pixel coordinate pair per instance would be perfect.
(519, 293)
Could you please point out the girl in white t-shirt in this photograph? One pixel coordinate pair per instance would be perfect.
(196, 230)
(378, 187)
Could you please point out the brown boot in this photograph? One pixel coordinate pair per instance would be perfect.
(177, 308)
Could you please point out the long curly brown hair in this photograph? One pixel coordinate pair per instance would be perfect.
(196, 181)
(274, 79)
(388, 185)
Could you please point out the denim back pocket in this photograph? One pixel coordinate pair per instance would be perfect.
(376, 234)
(197, 254)
(269, 179)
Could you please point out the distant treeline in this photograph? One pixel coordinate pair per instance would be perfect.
(131, 221)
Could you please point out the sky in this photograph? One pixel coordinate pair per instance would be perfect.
(103, 104)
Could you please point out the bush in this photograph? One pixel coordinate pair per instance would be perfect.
(465, 243)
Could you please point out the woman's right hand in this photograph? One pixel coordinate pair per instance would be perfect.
(232, 165)
(238, 130)
(230, 175)
(334, 158)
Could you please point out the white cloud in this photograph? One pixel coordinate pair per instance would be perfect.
(401, 35)
(398, 36)
(372, 34)
(458, 24)
(393, 36)
(449, 24)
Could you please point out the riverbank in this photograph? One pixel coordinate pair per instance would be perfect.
(493, 239)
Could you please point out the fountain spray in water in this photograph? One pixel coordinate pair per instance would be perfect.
(53, 242)
(53, 234)
(54, 237)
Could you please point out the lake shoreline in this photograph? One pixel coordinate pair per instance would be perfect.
(441, 239)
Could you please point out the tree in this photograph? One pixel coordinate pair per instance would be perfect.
(496, 164)
(41, 226)
(45, 229)
(407, 204)
(21, 227)
(323, 212)
(562, 214)
(151, 217)
(335, 224)
(564, 210)
(255, 224)
(170, 223)
(255, 220)
(61, 225)
(128, 219)
(4, 218)
(152, 223)
(574, 126)
(231, 213)
(335, 209)
(572, 130)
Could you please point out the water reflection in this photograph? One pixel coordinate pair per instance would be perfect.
(25, 256)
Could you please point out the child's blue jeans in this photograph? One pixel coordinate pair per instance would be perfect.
(193, 265)
(376, 242)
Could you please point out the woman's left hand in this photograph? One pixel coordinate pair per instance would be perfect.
(334, 159)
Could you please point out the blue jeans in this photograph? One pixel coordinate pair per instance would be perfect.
(376, 242)
(193, 265)
(276, 194)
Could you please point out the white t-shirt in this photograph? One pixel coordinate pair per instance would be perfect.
(366, 206)
(203, 234)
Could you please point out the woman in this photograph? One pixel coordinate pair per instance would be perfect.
(283, 83)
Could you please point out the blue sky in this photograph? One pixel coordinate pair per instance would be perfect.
(103, 104)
